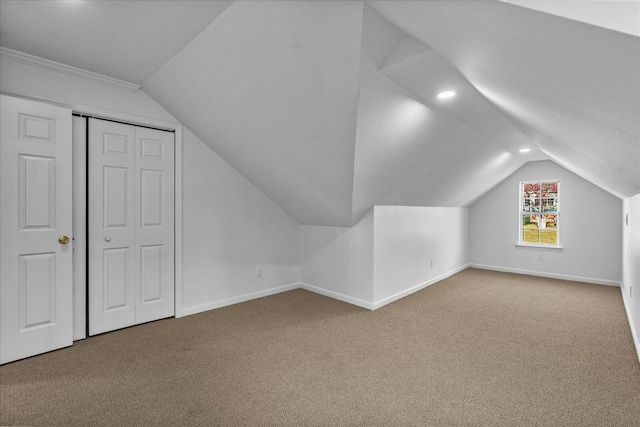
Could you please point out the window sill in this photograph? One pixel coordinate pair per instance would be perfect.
(540, 247)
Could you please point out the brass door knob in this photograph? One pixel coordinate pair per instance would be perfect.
(63, 240)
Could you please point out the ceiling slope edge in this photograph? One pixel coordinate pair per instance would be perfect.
(407, 47)
(217, 17)
(379, 38)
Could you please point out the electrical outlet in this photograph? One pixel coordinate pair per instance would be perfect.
(431, 263)
(540, 258)
(259, 272)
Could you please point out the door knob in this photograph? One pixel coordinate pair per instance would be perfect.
(63, 240)
(107, 239)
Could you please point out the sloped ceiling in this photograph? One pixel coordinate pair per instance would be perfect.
(413, 149)
(272, 87)
(330, 107)
(126, 40)
(572, 88)
(618, 15)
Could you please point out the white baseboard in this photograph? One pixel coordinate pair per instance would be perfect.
(375, 305)
(340, 297)
(548, 275)
(321, 291)
(634, 331)
(417, 287)
(186, 311)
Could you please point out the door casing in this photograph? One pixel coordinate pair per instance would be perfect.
(80, 326)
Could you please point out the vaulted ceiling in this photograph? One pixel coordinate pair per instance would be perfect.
(331, 107)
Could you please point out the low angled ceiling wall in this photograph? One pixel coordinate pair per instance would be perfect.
(411, 147)
(618, 15)
(126, 40)
(572, 88)
(330, 107)
(272, 87)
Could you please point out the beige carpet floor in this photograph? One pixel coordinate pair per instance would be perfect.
(478, 349)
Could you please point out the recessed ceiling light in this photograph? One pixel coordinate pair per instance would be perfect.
(525, 150)
(446, 94)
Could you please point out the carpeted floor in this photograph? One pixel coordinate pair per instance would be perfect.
(478, 349)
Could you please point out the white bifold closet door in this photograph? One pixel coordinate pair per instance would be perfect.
(131, 225)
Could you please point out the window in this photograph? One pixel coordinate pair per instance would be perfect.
(539, 213)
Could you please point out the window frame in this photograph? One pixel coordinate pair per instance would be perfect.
(522, 213)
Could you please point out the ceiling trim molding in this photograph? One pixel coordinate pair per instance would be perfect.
(66, 69)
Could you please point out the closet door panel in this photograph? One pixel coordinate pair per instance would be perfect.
(131, 225)
(112, 226)
(155, 227)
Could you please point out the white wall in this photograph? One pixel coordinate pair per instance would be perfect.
(338, 261)
(230, 230)
(230, 227)
(590, 231)
(415, 247)
(631, 264)
(386, 255)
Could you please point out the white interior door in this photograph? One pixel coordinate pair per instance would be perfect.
(35, 212)
(131, 231)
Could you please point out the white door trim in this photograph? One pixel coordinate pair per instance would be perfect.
(142, 121)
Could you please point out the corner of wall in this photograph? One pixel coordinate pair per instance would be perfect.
(338, 261)
(630, 288)
(415, 247)
(626, 300)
